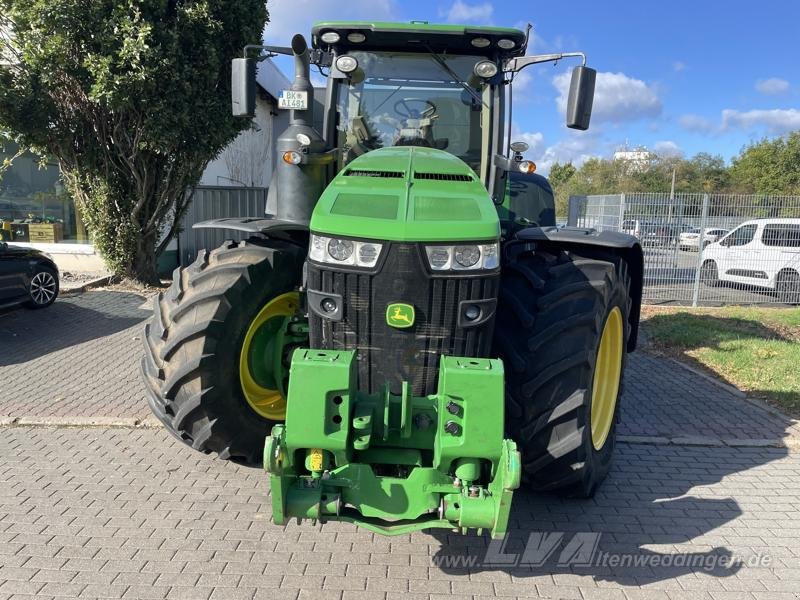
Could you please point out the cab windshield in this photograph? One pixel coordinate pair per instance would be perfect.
(411, 99)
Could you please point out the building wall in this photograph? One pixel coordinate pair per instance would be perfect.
(249, 160)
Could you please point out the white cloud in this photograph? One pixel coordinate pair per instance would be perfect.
(617, 97)
(461, 12)
(678, 66)
(696, 123)
(772, 86)
(777, 120)
(667, 148)
(534, 139)
(577, 148)
(288, 17)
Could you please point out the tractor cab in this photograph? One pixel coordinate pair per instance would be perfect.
(435, 86)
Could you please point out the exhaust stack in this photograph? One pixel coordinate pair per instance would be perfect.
(296, 188)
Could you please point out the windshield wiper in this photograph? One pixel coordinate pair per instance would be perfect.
(441, 62)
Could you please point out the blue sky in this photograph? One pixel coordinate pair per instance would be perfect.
(676, 77)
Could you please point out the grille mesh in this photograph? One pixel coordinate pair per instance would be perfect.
(442, 176)
(392, 355)
(370, 173)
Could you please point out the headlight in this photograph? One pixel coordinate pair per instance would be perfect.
(339, 251)
(346, 64)
(465, 257)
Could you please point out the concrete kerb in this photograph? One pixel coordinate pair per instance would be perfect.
(789, 443)
(94, 283)
(100, 422)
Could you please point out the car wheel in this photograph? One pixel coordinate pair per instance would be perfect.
(709, 274)
(43, 289)
(788, 287)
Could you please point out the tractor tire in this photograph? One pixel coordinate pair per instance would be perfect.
(554, 309)
(192, 345)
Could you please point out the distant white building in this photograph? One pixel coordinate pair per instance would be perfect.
(637, 159)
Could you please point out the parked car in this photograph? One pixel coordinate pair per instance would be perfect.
(27, 276)
(658, 234)
(763, 253)
(690, 240)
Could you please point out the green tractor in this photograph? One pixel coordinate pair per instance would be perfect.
(410, 337)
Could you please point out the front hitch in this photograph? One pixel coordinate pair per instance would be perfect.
(393, 463)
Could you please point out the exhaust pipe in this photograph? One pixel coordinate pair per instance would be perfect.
(296, 188)
(302, 81)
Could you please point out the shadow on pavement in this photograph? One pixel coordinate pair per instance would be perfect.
(29, 334)
(629, 533)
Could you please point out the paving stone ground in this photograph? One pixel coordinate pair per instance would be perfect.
(79, 358)
(132, 513)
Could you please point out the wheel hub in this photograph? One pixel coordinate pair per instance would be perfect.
(268, 343)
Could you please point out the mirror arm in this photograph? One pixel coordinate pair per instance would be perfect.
(317, 57)
(517, 64)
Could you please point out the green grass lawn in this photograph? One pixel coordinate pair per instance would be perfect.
(755, 349)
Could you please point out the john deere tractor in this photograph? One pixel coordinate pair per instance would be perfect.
(409, 337)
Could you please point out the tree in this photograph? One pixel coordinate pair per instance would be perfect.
(132, 98)
(561, 174)
(769, 166)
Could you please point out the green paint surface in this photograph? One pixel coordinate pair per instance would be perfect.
(402, 207)
(458, 430)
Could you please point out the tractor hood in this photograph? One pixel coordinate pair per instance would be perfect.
(407, 194)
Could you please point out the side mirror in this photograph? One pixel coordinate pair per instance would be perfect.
(581, 98)
(243, 87)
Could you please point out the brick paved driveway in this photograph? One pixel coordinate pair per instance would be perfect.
(80, 359)
(77, 358)
(109, 513)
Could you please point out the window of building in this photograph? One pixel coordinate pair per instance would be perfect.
(34, 205)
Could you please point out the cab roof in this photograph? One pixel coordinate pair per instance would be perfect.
(418, 36)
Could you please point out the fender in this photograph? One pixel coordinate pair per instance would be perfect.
(263, 225)
(625, 246)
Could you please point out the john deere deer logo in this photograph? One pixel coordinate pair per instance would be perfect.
(400, 315)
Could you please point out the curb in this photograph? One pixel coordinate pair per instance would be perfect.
(100, 422)
(99, 282)
(711, 379)
(794, 423)
(790, 444)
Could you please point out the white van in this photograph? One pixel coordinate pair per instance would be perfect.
(763, 253)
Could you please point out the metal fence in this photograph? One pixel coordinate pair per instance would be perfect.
(215, 203)
(706, 249)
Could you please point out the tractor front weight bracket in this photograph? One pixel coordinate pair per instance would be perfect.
(393, 463)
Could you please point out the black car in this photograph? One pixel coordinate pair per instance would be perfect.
(27, 277)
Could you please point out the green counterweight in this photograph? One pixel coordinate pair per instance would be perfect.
(393, 463)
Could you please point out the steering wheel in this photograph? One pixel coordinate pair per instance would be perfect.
(402, 108)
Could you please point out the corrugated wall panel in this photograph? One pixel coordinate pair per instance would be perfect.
(216, 203)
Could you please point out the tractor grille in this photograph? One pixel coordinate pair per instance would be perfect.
(387, 354)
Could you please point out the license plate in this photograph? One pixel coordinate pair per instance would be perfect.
(293, 100)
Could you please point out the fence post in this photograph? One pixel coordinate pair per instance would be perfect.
(703, 224)
(621, 211)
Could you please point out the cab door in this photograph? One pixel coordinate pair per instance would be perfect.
(738, 259)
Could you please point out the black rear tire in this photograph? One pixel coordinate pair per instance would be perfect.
(709, 274)
(788, 287)
(192, 345)
(552, 311)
